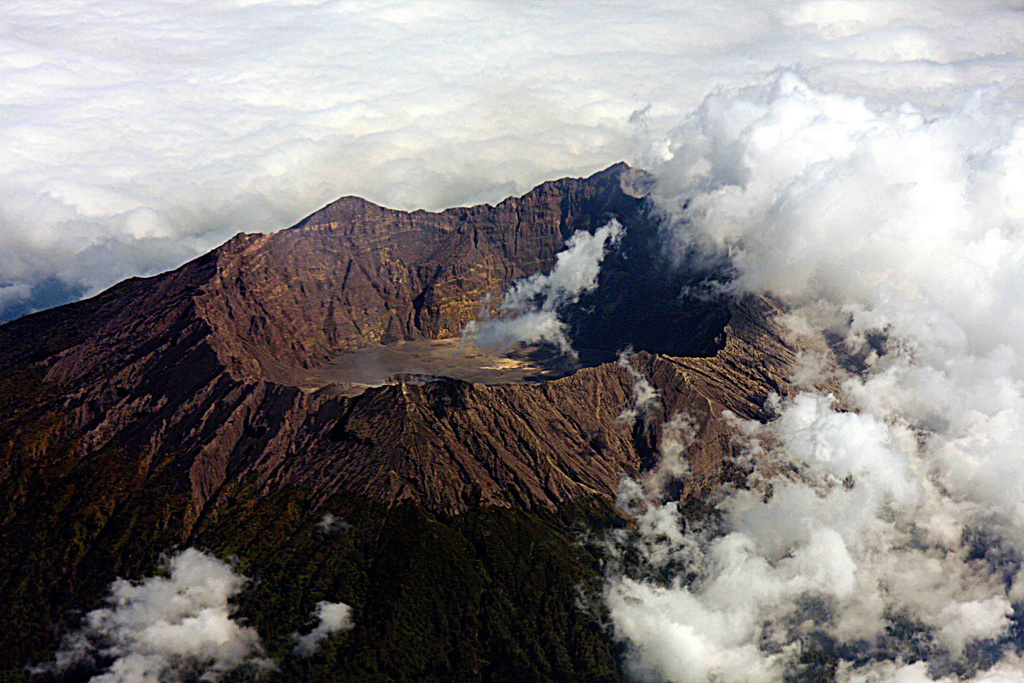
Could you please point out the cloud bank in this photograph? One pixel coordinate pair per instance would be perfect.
(529, 309)
(135, 137)
(883, 543)
(166, 628)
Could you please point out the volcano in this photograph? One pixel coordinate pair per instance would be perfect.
(317, 373)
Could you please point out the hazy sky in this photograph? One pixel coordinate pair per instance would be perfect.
(134, 136)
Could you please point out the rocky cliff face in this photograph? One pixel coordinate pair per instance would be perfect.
(145, 417)
(350, 275)
(355, 274)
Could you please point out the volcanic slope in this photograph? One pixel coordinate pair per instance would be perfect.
(195, 408)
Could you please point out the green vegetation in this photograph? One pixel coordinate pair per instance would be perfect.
(492, 594)
(489, 595)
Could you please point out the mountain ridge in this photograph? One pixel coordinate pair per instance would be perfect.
(143, 417)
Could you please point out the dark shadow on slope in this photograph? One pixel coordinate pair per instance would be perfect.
(647, 302)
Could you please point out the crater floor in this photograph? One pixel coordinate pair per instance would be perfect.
(456, 357)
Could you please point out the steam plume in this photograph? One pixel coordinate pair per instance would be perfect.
(529, 309)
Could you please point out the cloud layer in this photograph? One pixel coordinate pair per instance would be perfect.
(133, 138)
(884, 542)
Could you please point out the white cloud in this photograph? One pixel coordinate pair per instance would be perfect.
(678, 434)
(329, 524)
(332, 617)
(529, 309)
(888, 223)
(844, 532)
(133, 137)
(645, 396)
(13, 293)
(167, 628)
